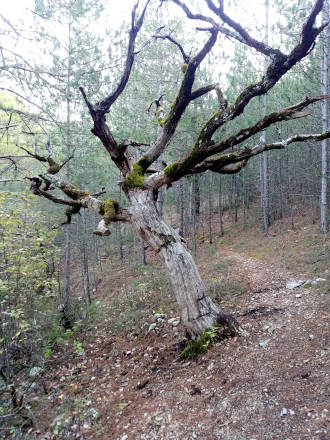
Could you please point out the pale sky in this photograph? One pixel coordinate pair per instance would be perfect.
(117, 9)
(249, 13)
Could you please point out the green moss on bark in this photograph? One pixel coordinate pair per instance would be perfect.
(225, 158)
(73, 192)
(176, 170)
(184, 68)
(136, 178)
(54, 167)
(160, 116)
(170, 169)
(69, 212)
(108, 210)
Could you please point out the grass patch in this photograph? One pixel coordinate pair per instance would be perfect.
(220, 289)
(222, 266)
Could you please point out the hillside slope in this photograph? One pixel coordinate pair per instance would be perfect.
(270, 385)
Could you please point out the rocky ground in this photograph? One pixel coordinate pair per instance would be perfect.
(269, 385)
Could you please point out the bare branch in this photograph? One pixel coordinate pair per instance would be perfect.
(233, 162)
(8, 126)
(293, 112)
(279, 66)
(192, 16)
(88, 103)
(184, 97)
(54, 167)
(202, 91)
(136, 24)
(157, 103)
(227, 32)
(29, 101)
(222, 101)
(20, 112)
(199, 154)
(185, 57)
(98, 111)
(245, 37)
(58, 200)
(14, 156)
(10, 25)
(34, 155)
(198, 161)
(98, 194)
(124, 144)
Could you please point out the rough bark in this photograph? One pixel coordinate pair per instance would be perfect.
(198, 311)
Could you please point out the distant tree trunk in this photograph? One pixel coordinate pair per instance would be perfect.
(194, 232)
(231, 193)
(325, 121)
(85, 264)
(197, 195)
(221, 231)
(236, 203)
(143, 250)
(119, 230)
(161, 191)
(280, 178)
(194, 208)
(210, 203)
(244, 197)
(120, 242)
(193, 213)
(264, 184)
(198, 311)
(68, 239)
(181, 207)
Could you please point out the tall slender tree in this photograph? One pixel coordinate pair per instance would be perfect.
(325, 118)
(264, 179)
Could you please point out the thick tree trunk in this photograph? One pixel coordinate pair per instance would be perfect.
(198, 311)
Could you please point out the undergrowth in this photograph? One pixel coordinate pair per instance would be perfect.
(195, 348)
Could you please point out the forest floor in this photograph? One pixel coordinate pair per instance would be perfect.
(269, 385)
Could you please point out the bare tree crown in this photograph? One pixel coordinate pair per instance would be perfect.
(206, 153)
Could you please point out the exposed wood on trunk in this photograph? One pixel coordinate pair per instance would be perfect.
(198, 311)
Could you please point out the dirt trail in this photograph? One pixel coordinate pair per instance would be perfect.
(270, 385)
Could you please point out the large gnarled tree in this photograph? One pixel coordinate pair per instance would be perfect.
(142, 181)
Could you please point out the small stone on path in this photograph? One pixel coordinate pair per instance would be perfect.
(294, 284)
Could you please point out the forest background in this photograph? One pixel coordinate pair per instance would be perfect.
(51, 271)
